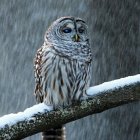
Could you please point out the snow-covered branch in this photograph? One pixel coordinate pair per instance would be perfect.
(41, 117)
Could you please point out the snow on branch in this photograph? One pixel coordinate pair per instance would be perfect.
(113, 84)
(41, 117)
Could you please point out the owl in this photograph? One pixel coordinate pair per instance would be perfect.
(63, 63)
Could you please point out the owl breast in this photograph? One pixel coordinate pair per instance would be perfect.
(62, 80)
(75, 51)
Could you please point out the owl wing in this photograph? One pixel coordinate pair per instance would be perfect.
(37, 70)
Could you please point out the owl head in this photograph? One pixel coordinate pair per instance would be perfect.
(69, 37)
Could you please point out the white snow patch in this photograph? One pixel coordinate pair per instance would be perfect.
(11, 119)
(113, 84)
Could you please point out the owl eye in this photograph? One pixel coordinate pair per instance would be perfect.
(67, 30)
(81, 30)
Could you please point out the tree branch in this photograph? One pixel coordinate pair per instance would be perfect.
(45, 120)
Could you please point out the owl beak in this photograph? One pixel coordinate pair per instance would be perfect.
(76, 38)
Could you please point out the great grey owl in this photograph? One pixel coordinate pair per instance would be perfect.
(63, 63)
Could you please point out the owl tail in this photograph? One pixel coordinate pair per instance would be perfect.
(54, 134)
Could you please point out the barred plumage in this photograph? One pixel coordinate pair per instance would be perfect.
(63, 63)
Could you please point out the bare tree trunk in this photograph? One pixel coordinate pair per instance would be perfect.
(57, 133)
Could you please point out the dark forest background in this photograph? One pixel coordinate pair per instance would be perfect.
(114, 27)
